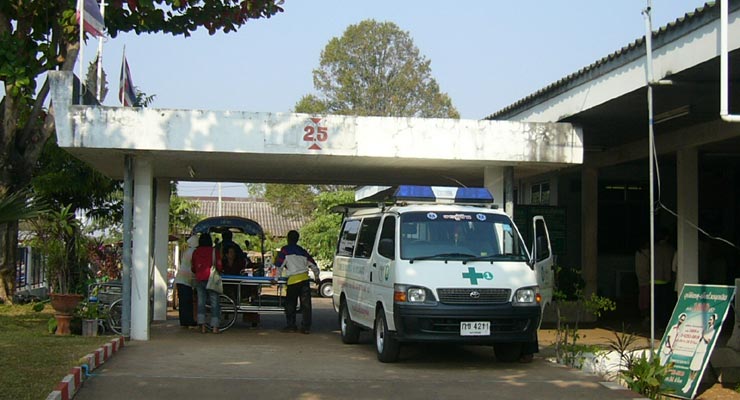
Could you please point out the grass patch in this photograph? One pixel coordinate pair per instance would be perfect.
(34, 360)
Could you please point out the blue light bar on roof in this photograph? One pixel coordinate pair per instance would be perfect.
(443, 194)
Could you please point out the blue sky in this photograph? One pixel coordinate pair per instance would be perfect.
(486, 54)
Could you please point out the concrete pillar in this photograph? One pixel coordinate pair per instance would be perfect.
(176, 256)
(141, 248)
(161, 239)
(509, 191)
(687, 193)
(128, 231)
(493, 180)
(589, 228)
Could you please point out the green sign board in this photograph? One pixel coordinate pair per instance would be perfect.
(556, 224)
(691, 334)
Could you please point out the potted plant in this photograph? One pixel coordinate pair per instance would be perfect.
(58, 237)
(90, 313)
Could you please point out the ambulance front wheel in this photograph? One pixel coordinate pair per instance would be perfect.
(386, 346)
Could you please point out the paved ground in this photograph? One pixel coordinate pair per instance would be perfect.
(264, 363)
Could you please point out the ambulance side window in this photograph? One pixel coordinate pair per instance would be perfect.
(347, 238)
(541, 237)
(366, 239)
(387, 243)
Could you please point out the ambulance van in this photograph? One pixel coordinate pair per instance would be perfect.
(440, 264)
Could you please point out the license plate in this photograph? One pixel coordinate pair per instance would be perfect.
(475, 328)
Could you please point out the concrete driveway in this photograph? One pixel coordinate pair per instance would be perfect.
(249, 363)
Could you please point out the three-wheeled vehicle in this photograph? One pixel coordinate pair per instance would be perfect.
(252, 291)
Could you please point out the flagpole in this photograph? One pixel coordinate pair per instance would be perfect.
(122, 94)
(81, 10)
(100, 58)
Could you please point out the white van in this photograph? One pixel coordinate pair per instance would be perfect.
(440, 265)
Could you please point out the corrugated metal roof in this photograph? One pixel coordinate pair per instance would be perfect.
(690, 21)
(261, 211)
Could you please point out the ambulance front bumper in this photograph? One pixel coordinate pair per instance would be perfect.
(442, 323)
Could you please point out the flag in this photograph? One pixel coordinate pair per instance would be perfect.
(126, 92)
(93, 19)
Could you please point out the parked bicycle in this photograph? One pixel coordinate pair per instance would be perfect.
(108, 296)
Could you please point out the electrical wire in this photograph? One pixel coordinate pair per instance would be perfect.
(659, 204)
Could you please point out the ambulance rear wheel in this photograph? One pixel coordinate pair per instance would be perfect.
(350, 331)
(386, 346)
(507, 352)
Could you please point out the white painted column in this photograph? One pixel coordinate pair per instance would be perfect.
(687, 193)
(141, 248)
(161, 238)
(493, 180)
(589, 228)
(509, 191)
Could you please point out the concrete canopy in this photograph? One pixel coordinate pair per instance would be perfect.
(203, 145)
(153, 146)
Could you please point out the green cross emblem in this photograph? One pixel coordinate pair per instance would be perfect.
(474, 276)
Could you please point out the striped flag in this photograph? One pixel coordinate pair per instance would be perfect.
(92, 18)
(126, 92)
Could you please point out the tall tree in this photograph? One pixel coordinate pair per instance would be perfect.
(41, 35)
(375, 69)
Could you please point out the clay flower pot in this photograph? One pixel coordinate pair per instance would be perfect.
(64, 305)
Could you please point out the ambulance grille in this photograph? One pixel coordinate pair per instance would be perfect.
(473, 296)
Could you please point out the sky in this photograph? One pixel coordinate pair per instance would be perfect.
(485, 54)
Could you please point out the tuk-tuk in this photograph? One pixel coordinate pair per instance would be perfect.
(250, 292)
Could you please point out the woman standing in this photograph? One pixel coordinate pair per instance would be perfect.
(184, 282)
(203, 258)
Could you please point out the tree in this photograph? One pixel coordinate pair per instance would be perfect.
(375, 69)
(41, 35)
(320, 234)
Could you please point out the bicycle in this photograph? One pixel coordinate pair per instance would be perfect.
(108, 296)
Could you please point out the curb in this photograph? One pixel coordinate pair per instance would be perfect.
(71, 383)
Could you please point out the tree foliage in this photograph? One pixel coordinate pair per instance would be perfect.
(319, 235)
(183, 213)
(62, 179)
(20, 205)
(42, 35)
(374, 69)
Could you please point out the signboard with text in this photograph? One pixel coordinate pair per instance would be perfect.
(692, 331)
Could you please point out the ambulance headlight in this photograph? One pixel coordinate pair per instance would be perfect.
(412, 294)
(527, 296)
(416, 295)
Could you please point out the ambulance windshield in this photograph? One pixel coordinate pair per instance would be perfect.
(466, 236)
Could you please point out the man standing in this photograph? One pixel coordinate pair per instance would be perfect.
(296, 261)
